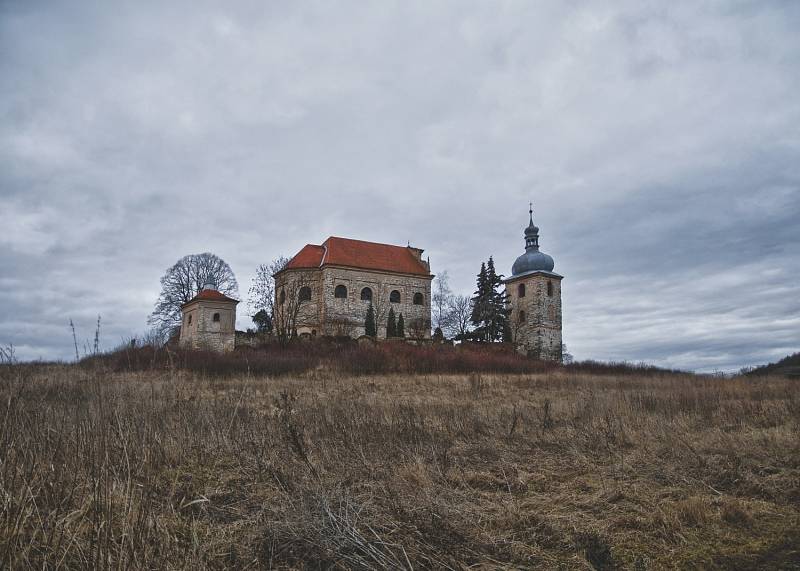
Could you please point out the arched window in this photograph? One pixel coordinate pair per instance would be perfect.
(522, 317)
(366, 294)
(305, 294)
(521, 290)
(419, 299)
(340, 292)
(394, 297)
(216, 317)
(549, 288)
(282, 297)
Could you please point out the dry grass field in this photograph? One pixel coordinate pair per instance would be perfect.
(170, 469)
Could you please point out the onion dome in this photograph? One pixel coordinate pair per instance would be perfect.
(532, 260)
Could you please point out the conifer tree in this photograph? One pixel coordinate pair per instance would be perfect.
(497, 310)
(369, 323)
(489, 312)
(391, 326)
(479, 302)
(401, 326)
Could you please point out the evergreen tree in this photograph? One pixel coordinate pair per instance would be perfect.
(369, 323)
(479, 303)
(489, 311)
(263, 321)
(391, 326)
(497, 305)
(401, 326)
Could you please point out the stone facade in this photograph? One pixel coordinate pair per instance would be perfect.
(534, 302)
(327, 313)
(209, 324)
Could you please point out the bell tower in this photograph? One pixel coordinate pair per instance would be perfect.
(534, 299)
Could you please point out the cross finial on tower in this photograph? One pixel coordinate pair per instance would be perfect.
(530, 210)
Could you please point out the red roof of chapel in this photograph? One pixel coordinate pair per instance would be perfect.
(210, 295)
(359, 254)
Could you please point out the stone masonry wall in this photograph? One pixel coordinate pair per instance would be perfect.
(205, 333)
(326, 314)
(539, 332)
(348, 315)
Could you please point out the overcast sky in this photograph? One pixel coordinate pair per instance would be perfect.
(659, 142)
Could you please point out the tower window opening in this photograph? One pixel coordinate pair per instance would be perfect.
(282, 297)
(190, 320)
(521, 290)
(216, 318)
(340, 292)
(522, 317)
(366, 294)
(305, 294)
(419, 299)
(549, 288)
(394, 297)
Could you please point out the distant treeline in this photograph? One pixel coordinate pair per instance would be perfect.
(788, 366)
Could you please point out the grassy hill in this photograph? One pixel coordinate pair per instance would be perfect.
(788, 366)
(169, 467)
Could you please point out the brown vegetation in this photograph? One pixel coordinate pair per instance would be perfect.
(161, 467)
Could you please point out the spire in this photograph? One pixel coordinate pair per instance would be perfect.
(531, 233)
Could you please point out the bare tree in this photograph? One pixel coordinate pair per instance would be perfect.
(418, 327)
(340, 326)
(289, 304)
(184, 280)
(8, 355)
(261, 295)
(440, 302)
(459, 314)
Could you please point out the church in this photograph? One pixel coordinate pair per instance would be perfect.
(327, 289)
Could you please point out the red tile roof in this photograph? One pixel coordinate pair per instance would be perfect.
(359, 254)
(211, 295)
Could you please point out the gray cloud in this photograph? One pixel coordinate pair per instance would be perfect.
(660, 145)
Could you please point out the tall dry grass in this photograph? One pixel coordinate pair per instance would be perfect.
(174, 469)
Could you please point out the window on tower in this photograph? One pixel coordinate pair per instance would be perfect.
(419, 299)
(549, 288)
(216, 318)
(521, 290)
(366, 294)
(522, 317)
(394, 297)
(340, 292)
(305, 294)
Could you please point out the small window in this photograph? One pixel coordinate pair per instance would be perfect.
(340, 292)
(190, 319)
(366, 294)
(521, 290)
(522, 317)
(419, 299)
(549, 288)
(282, 297)
(394, 297)
(216, 317)
(305, 294)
